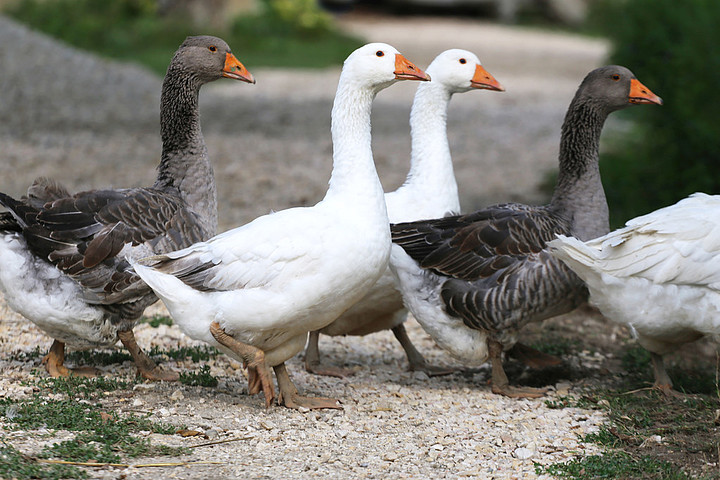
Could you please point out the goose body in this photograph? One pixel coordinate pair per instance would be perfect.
(473, 281)
(256, 291)
(429, 191)
(660, 275)
(65, 259)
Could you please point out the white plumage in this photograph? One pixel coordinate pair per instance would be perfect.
(430, 191)
(267, 283)
(57, 305)
(660, 275)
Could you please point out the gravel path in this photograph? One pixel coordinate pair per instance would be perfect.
(271, 149)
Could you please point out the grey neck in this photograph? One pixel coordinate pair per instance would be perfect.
(185, 167)
(579, 194)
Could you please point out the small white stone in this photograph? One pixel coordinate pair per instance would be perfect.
(137, 403)
(164, 412)
(651, 439)
(523, 453)
(177, 395)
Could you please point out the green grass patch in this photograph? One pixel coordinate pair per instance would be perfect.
(196, 354)
(14, 464)
(156, 320)
(22, 356)
(201, 378)
(613, 465)
(281, 34)
(81, 387)
(110, 357)
(97, 357)
(689, 379)
(689, 437)
(557, 346)
(102, 434)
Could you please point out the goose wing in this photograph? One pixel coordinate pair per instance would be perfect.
(266, 251)
(677, 244)
(495, 268)
(84, 234)
(481, 244)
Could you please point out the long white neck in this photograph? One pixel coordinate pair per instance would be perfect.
(431, 170)
(354, 174)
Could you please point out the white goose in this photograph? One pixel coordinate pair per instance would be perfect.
(255, 291)
(660, 275)
(429, 191)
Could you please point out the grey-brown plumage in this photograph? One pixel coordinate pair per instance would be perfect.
(491, 269)
(89, 236)
(491, 261)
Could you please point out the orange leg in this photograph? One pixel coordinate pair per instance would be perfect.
(500, 383)
(312, 360)
(254, 358)
(55, 359)
(415, 358)
(146, 367)
(290, 397)
(662, 379)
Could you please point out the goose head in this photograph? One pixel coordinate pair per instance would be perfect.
(460, 71)
(209, 58)
(614, 87)
(379, 65)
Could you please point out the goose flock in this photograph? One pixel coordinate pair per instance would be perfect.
(83, 267)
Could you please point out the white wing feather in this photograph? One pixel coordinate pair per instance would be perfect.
(679, 244)
(258, 253)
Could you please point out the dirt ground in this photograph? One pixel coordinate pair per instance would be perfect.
(93, 123)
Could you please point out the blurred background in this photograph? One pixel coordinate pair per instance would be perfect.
(80, 83)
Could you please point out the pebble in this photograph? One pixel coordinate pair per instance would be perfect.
(177, 395)
(523, 453)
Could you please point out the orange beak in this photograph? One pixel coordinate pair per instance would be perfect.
(406, 70)
(483, 80)
(639, 94)
(236, 70)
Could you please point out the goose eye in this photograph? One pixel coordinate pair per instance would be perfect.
(616, 77)
(463, 61)
(379, 53)
(212, 48)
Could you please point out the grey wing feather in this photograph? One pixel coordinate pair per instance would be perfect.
(83, 234)
(539, 287)
(493, 264)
